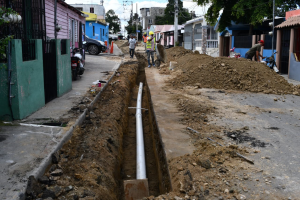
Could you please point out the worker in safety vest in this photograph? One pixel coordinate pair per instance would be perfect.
(145, 40)
(151, 48)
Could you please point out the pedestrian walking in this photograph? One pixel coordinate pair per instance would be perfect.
(132, 45)
(255, 51)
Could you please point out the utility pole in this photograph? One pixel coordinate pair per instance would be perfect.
(137, 23)
(273, 26)
(176, 23)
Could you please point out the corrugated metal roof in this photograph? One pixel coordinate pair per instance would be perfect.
(292, 21)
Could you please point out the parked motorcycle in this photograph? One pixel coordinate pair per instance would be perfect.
(270, 62)
(77, 63)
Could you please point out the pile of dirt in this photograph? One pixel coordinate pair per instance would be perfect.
(226, 73)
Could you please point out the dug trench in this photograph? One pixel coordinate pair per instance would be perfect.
(101, 153)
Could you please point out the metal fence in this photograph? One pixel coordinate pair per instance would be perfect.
(28, 50)
(212, 43)
(243, 41)
(63, 46)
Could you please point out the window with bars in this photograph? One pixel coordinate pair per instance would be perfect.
(91, 9)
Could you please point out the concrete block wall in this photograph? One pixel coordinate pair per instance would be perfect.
(28, 83)
(63, 69)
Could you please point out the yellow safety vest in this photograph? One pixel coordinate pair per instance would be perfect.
(149, 44)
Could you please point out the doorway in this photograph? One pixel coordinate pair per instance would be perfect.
(285, 51)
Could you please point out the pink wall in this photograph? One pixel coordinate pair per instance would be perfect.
(292, 13)
(63, 15)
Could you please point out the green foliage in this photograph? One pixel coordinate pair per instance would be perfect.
(176, 44)
(113, 21)
(168, 17)
(4, 39)
(244, 11)
(131, 27)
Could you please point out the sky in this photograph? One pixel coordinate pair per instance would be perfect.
(123, 8)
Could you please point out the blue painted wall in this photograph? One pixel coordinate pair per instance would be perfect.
(294, 71)
(98, 27)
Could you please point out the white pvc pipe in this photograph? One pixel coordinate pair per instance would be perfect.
(140, 149)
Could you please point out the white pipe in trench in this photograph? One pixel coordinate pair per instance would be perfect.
(140, 150)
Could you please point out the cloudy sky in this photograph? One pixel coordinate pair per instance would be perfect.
(123, 8)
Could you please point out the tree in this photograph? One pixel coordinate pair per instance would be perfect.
(168, 17)
(113, 21)
(250, 12)
(4, 38)
(131, 27)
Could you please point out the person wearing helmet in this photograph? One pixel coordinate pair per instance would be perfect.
(254, 51)
(145, 40)
(151, 48)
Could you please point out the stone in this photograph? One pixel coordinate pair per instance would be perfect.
(33, 188)
(178, 198)
(205, 163)
(55, 157)
(241, 197)
(275, 99)
(220, 198)
(78, 176)
(44, 180)
(226, 191)
(57, 172)
(295, 93)
(93, 115)
(57, 191)
(82, 107)
(68, 188)
(48, 193)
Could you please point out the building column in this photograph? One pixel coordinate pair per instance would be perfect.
(221, 45)
(278, 48)
(292, 39)
(253, 43)
(262, 48)
(230, 43)
(204, 37)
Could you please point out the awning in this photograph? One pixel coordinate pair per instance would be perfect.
(292, 21)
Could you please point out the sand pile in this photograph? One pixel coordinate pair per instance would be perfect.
(226, 73)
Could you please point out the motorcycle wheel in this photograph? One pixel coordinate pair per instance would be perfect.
(74, 75)
(157, 63)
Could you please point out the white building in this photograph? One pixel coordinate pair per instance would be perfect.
(97, 9)
(198, 35)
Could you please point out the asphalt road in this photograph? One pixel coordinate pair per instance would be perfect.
(274, 122)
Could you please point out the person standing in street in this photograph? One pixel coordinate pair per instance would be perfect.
(255, 51)
(132, 45)
(145, 40)
(151, 48)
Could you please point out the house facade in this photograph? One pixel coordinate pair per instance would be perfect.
(95, 28)
(97, 9)
(37, 69)
(288, 44)
(199, 35)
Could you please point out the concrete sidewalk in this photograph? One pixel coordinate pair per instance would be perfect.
(26, 149)
(175, 142)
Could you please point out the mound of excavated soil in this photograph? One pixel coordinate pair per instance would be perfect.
(226, 73)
